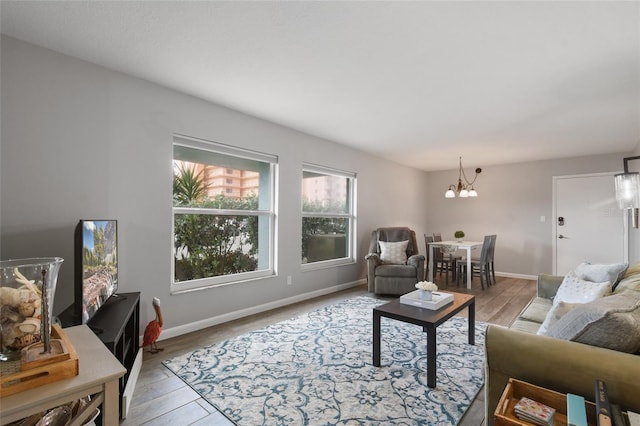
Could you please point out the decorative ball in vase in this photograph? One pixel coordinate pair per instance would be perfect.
(27, 289)
(459, 235)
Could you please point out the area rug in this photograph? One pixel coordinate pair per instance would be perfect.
(316, 369)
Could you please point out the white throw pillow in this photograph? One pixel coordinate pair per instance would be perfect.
(393, 251)
(576, 290)
(556, 312)
(598, 273)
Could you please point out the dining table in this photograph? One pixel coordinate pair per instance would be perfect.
(460, 245)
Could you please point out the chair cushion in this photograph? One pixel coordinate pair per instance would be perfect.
(408, 271)
(398, 234)
(537, 310)
(576, 290)
(611, 322)
(394, 252)
(601, 272)
(524, 325)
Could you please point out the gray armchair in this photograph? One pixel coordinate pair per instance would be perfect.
(396, 279)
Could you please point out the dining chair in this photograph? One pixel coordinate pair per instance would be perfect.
(475, 261)
(491, 255)
(442, 261)
(481, 264)
(491, 269)
(428, 239)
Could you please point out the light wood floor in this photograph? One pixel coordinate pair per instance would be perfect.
(161, 398)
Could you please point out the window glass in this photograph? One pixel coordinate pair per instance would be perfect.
(222, 227)
(327, 215)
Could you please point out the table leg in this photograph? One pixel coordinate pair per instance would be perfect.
(111, 404)
(469, 268)
(430, 266)
(432, 350)
(472, 322)
(376, 338)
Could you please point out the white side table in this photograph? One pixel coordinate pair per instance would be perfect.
(99, 372)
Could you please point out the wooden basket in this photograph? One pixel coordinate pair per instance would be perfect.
(516, 389)
(42, 374)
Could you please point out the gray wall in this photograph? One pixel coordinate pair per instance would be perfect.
(511, 200)
(80, 142)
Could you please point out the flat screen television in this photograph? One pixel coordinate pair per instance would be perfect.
(95, 265)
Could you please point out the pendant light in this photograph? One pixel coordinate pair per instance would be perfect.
(463, 190)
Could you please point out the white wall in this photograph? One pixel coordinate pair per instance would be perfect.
(80, 142)
(511, 200)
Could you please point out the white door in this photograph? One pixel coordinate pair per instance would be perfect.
(589, 226)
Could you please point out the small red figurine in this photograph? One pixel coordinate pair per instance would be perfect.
(153, 330)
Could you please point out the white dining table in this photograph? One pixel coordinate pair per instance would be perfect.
(461, 245)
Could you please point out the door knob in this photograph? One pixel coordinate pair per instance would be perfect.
(562, 236)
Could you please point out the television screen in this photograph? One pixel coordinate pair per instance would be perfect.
(96, 265)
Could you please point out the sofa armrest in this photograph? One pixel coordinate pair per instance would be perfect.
(548, 285)
(556, 364)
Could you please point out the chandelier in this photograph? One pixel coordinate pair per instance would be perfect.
(465, 189)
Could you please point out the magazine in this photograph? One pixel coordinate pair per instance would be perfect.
(534, 412)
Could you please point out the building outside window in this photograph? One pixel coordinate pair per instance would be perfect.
(328, 216)
(222, 233)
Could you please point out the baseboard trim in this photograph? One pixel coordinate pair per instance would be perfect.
(521, 276)
(209, 322)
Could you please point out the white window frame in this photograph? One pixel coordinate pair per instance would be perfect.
(270, 214)
(350, 215)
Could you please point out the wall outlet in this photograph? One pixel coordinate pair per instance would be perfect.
(289, 281)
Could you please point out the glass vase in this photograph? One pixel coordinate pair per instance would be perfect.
(27, 290)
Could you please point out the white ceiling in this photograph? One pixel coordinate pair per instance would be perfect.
(420, 83)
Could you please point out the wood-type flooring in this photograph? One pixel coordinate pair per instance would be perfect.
(161, 398)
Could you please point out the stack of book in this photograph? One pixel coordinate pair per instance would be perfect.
(609, 414)
(534, 412)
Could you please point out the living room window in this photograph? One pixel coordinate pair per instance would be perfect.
(328, 216)
(221, 235)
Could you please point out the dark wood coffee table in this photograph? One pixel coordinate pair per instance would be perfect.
(429, 320)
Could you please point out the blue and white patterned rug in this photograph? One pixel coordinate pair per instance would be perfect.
(316, 369)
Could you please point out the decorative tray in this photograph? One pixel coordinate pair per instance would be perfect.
(439, 300)
(37, 373)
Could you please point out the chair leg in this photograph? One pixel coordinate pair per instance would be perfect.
(462, 274)
(454, 269)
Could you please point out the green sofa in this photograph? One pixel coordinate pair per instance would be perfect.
(562, 365)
